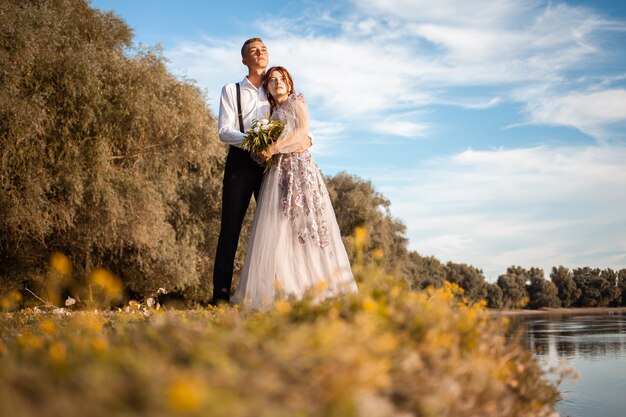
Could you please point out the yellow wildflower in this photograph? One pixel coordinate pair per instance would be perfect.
(61, 263)
(30, 341)
(378, 253)
(360, 237)
(185, 395)
(111, 284)
(16, 296)
(282, 306)
(99, 344)
(57, 353)
(369, 305)
(387, 342)
(48, 326)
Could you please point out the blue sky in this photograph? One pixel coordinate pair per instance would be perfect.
(496, 128)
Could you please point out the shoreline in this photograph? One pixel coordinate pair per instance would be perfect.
(559, 311)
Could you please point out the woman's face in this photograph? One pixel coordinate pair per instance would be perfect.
(278, 86)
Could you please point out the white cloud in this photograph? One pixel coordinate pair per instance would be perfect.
(477, 12)
(392, 56)
(401, 125)
(326, 135)
(538, 206)
(211, 62)
(472, 103)
(590, 112)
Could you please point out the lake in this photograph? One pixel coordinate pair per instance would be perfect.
(595, 346)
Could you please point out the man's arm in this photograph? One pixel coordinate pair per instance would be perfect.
(228, 122)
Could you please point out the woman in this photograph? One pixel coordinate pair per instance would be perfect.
(295, 245)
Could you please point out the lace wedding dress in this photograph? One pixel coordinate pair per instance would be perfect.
(295, 244)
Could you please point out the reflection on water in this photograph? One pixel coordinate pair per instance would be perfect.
(585, 336)
(595, 346)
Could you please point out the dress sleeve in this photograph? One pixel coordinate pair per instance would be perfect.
(295, 137)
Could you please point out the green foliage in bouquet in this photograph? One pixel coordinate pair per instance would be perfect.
(262, 134)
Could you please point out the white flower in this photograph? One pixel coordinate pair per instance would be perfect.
(161, 291)
(70, 302)
(264, 121)
(265, 127)
(257, 129)
(150, 301)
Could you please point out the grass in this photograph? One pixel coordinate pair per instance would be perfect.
(387, 351)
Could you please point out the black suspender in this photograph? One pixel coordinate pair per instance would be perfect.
(239, 108)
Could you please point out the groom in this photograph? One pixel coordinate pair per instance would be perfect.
(239, 104)
(242, 176)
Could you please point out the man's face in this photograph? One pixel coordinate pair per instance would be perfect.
(255, 55)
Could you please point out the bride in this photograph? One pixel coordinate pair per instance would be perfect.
(295, 245)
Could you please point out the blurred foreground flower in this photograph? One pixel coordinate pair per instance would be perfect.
(109, 283)
(186, 395)
(360, 236)
(60, 263)
(11, 302)
(386, 351)
(57, 353)
(48, 326)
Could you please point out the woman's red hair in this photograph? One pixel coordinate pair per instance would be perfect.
(283, 71)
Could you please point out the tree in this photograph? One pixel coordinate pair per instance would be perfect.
(541, 292)
(104, 155)
(468, 278)
(567, 290)
(597, 287)
(358, 205)
(613, 294)
(424, 271)
(621, 284)
(513, 286)
(494, 296)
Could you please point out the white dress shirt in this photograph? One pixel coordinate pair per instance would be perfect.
(254, 105)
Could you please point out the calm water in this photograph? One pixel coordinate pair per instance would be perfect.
(595, 346)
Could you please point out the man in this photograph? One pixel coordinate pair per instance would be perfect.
(242, 175)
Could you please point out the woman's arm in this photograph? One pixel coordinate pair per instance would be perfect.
(298, 137)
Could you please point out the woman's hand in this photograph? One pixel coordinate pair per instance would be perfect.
(268, 152)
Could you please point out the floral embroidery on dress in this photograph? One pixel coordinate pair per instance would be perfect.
(303, 198)
(302, 192)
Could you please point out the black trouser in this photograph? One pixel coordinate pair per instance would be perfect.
(242, 179)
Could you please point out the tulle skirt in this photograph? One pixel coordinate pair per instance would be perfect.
(295, 245)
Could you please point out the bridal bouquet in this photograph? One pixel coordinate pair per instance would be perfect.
(262, 134)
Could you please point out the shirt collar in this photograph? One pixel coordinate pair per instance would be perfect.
(245, 83)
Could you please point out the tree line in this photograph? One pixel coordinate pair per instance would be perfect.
(112, 161)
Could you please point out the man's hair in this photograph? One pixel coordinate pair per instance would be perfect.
(248, 42)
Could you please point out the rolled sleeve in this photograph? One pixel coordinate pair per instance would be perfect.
(228, 123)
